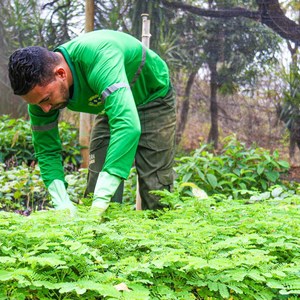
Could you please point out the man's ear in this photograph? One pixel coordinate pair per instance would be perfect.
(60, 72)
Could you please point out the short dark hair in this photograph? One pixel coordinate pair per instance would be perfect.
(31, 66)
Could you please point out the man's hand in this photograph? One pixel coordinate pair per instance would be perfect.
(106, 187)
(60, 198)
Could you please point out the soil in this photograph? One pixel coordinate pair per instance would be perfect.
(293, 174)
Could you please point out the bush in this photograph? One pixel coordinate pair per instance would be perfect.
(235, 170)
(15, 142)
(16, 145)
(21, 189)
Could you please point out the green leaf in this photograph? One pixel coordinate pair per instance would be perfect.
(277, 192)
(272, 175)
(256, 276)
(223, 290)
(260, 169)
(5, 275)
(187, 177)
(283, 163)
(201, 175)
(212, 180)
(68, 287)
(285, 292)
(46, 260)
(263, 184)
(45, 284)
(274, 284)
(17, 194)
(7, 259)
(213, 286)
(235, 288)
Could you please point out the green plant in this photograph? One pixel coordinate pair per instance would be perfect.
(16, 145)
(203, 250)
(200, 247)
(130, 186)
(70, 145)
(21, 188)
(15, 141)
(235, 169)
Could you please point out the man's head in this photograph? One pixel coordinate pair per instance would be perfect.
(40, 76)
(29, 67)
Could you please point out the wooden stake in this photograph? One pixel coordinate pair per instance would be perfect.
(146, 42)
(85, 120)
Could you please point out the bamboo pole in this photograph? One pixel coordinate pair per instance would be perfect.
(146, 30)
(85, 120)
(146, 42)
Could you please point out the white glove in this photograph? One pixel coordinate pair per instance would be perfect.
(59, 196)
(106, 187)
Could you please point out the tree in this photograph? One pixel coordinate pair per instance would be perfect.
(160, 20)
(113, 14)
(288, 110)
(64, 20)
(189, 59)
(21, 25)
(245, 50)
(268, 12)
(234, 49)
(85, 120)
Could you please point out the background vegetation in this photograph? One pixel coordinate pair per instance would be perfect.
(232, 73)
(230, 229)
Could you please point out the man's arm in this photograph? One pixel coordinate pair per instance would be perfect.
(125, 130)
(47, 145)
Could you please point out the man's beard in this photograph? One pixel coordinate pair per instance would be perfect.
(65, 95)
(64, 105)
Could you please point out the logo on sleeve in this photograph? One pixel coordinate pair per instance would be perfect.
(95, 100)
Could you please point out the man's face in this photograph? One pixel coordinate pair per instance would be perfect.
(54, 95)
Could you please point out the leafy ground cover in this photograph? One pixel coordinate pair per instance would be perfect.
(239, 239)
(203, 250)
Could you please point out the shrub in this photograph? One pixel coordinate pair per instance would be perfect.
(15, 142)
(22, 189)
(16, 145)
(236, 169)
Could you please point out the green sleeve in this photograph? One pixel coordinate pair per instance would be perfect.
(120, 107)
(47, 144)
(125, 132)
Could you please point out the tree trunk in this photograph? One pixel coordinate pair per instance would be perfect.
(182, 119)
(294, 129)
(214, 131)
(86, 119)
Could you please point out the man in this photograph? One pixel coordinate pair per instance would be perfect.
(127, 86)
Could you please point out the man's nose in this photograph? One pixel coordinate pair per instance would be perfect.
(45, 107)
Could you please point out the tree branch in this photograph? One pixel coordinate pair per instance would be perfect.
(273, 16)
(269, 13)
(222, 13)
(49, 4)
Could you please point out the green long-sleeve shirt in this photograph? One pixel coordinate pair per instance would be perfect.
(112, 73)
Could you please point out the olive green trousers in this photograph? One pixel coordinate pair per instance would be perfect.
(154, 156)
